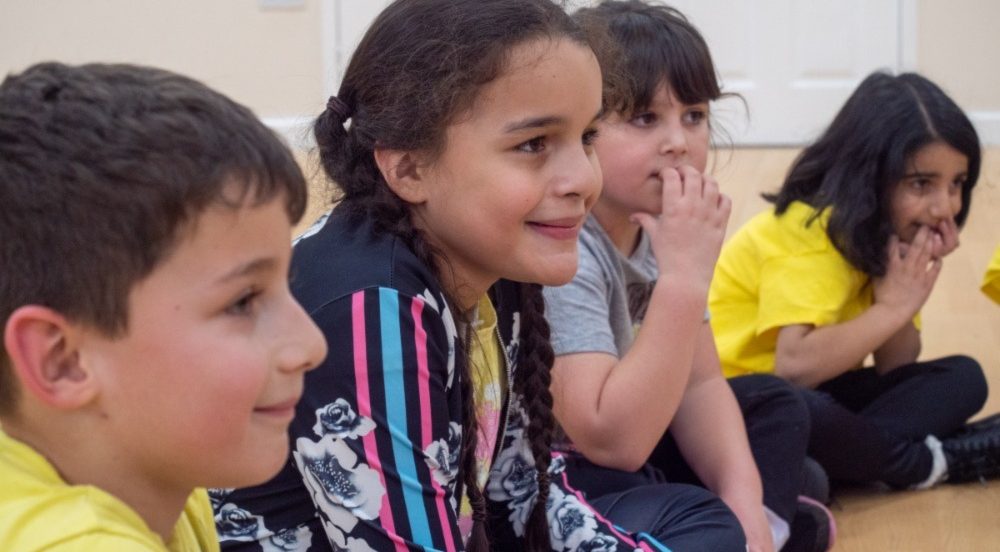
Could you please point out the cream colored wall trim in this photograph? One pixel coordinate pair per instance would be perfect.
(987, 124)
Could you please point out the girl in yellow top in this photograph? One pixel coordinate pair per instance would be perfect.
(840, 269)
(991, 282)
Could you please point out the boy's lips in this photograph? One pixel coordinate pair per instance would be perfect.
(279, 409)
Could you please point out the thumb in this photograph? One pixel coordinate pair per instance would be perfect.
(646, 221)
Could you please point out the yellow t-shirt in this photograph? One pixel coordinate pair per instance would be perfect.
(991, 282)
(39, 511)
(777, 271)
(488, 382)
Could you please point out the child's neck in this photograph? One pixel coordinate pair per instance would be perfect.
(622, 232)
(81, 457)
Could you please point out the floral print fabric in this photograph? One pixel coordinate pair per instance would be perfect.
(376, 439)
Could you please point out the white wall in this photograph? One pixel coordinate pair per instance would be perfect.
(284, 62)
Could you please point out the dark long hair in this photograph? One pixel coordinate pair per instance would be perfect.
(853, 166)
(419, 66)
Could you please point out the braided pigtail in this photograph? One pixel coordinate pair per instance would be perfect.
(532, 382)
(401, 91)
(478, 539)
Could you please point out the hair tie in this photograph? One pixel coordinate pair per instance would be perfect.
(339, 108)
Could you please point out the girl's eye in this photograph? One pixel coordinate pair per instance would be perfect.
(535, 145)
(919, 183)
(244, 305)
(695, 116)
(643, 119)
(589, 137)
(957, 185)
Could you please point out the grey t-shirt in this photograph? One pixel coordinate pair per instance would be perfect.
(601, 309)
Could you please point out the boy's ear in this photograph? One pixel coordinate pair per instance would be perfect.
(42, 347)
(404, 173)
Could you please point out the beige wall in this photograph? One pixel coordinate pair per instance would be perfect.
(268, 59)
(957, 45)
(272, 59)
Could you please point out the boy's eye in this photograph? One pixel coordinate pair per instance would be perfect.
(244, 305)
(535, 145)
(589, 137)
(643, 119)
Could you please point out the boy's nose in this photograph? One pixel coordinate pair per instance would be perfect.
(306, 347)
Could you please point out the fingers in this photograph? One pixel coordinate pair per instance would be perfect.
(948, 231)
(646, 221)
(921, 249)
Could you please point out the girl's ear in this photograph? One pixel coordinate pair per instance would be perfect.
(42, 346)
(404, 173)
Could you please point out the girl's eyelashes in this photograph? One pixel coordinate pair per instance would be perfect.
(695, 117)
(534, 145)
(590, 136)
(644, 119)
(244, 304)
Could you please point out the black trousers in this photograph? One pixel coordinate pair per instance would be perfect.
(681, 517)
(867, 427)
(777, 424)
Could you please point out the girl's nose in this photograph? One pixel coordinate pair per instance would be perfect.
(674, 141)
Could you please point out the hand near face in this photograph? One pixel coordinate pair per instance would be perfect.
(947, 232)
(910, 274)
(687, 236)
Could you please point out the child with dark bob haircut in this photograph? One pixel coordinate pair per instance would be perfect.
(151, 345)
(840, 269)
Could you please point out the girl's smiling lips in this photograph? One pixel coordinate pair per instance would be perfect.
(560, 229)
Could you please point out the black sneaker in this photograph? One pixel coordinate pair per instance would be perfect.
(989, 423)
(813, 528)
(815, 483)
(973, 453)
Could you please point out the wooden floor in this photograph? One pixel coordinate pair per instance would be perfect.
(958, 318)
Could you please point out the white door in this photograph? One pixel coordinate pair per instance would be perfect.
(794, 61)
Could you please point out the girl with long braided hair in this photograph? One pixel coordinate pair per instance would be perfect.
(461, 143)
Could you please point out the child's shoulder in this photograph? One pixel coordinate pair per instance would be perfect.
(799, 230)
(40, 511)
(343, 254)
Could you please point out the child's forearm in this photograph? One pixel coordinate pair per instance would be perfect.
(900, 349)
(711, 435)
(647, 383)
(808, 355)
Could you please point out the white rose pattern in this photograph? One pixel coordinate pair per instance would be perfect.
(339, 420)
(236, 524)
(289, 540)
(337, 480)
(570, 523)
(340, 542)
(442, 456)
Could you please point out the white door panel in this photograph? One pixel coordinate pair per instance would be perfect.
(794, 61)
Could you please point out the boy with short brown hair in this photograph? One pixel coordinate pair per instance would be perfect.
(150, 343)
